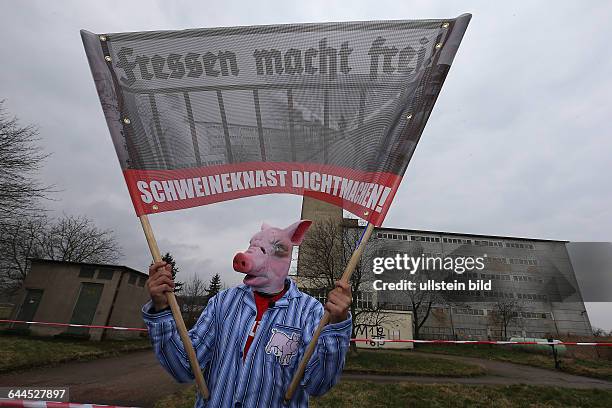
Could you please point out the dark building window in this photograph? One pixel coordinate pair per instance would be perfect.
(105, 273)
(87, 272)
(133, 278)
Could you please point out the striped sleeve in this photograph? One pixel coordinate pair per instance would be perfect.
(326, 365)
(167, 343)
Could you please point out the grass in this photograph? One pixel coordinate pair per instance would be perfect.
(19, 352)
(362, 394)
(407, 363)
(600, 368)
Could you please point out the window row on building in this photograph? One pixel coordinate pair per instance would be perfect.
(494, 276)
(525, 278)
(519, 333)
(519, 245)
(470, 332)
(497, 294)
(469, 311)
(482, 312)
(448, 240)
(516, 278)
(535, 315)
(532, 296)
(361, 299)
(518, 261)
(488, 243)
(511, 261)
(457, 241)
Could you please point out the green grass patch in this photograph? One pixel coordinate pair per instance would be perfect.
(407, 363)
(182, 399)
(589, 368)
(362, 394)
(18, 352)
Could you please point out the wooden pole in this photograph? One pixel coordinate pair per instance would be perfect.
(346, 276)
(176, 312)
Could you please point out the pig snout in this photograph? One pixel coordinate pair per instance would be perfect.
(242, 263)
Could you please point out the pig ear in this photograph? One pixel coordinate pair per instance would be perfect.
(265, 226)
(297, 231)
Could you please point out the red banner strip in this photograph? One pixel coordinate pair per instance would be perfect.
(366, 194)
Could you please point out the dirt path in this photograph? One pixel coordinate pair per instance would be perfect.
(134, 379)
(137, 379)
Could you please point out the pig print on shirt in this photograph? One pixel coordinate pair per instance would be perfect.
(283, 346)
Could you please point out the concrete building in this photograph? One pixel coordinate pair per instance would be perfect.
(81, 293)
(533, 279)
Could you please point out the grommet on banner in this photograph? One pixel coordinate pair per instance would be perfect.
(102, 38)
(438, 46)
(155, 207)
(445, 25)
(409, 116)
(366, 213)
(108, 58)
(127, 121)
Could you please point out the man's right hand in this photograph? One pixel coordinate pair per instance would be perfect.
(160, 281)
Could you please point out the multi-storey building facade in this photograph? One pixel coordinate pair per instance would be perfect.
(532, 279)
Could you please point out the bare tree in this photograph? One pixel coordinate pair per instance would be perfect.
(78, 239)
(193, 299)
(420, 301)
(19, 241)
(506, 312)
(599, 332)
(21, 157)
(68, 238)
(323, 256)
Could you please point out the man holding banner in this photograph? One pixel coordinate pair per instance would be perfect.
(332, 111)
(249, 338)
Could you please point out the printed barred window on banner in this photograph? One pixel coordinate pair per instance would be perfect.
(332, 111)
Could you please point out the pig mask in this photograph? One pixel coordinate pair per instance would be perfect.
(266, 262)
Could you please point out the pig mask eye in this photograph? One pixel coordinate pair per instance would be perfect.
(280, 249)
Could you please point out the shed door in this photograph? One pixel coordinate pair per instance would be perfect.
(28, 308)
(85, 308)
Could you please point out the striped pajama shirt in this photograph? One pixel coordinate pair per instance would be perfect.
(261, 380)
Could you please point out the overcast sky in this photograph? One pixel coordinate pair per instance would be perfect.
(518, 143)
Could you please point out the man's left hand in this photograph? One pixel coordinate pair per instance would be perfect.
(338, 302)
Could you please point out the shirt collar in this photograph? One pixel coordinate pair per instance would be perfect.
(292, 292)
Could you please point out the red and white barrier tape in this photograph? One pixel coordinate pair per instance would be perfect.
(545, 343)
(358, 340)
(48, 404)
(87, 326)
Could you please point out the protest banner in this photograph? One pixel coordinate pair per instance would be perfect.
(332, 111)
